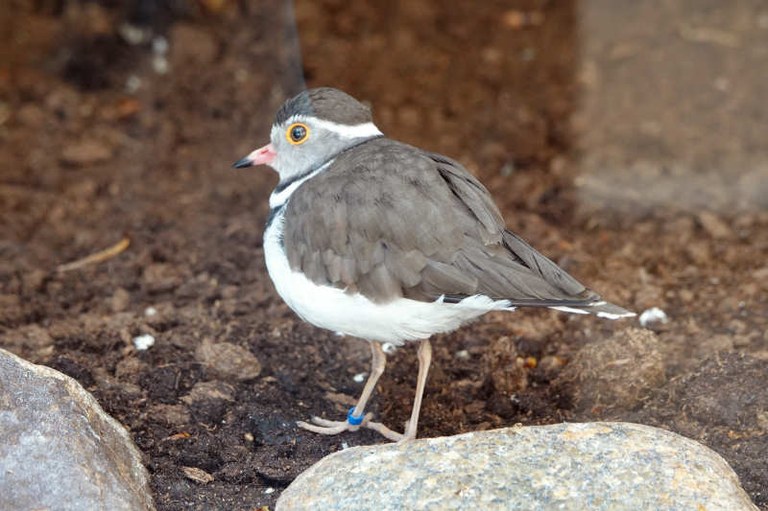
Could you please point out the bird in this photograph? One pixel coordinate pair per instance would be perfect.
(380, 240)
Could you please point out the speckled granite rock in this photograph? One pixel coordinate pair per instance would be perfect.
(59, 449)
(595, 466)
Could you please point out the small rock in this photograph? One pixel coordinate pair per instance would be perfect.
(652, 316)
(160, 277)
(617, 466)
(33, 280)
(31, 115)
(11, 309)
(714, 226)
(207, 390)
(120, 300)
(32, 337)
(143, 342)
(172, 415)
(614, 373)
(58, 449)
(761, 274)
(86, 153)
(225, 360)
(197, 474)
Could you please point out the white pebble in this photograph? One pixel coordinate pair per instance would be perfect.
(133, 34)
(269, 490)
(344, 445)
(160, 45)
(653, 315)
(160, 64)
(462, 355)
(150, 311)
(143, 342)
(359, 377)
(132, 84)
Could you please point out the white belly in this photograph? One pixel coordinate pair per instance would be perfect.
(353, 314)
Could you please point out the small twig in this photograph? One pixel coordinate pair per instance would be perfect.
(98, 257)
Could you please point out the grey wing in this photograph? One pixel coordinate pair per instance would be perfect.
(399, 222)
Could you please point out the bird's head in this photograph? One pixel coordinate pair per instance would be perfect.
(310, 129)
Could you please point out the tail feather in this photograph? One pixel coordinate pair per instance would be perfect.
(600, 308)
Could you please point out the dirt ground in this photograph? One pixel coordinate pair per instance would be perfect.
(102, 140)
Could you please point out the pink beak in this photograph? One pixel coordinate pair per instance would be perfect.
(262, 156)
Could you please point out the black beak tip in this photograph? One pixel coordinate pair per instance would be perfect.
(241, 164)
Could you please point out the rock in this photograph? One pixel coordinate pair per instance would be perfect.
(226, 360)
(613, 373)
(161, 277)
(86, 153)
(714, 226)
(59, 449)
(210, 390)
(120, 300)
(596, 466)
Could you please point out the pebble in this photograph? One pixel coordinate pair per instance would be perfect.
(225, 360)
(714, 226)
(595, 466)
(160, 277)
(654, 315)
(143, 342)
(88, 152)
(120, 300)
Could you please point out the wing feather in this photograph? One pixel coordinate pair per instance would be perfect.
(390, 220)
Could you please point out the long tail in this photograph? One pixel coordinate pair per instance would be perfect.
(601, 309)
(588, 303)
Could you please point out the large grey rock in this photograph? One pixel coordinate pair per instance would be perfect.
(595, 466)
(59, 449)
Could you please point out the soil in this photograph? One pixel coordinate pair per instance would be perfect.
(104, 140)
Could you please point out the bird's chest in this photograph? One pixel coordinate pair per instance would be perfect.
(294, 288)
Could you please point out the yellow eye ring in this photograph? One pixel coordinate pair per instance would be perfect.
(297, 133)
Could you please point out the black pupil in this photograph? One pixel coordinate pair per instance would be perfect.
(298, 133)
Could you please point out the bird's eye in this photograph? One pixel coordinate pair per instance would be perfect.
(297, 133)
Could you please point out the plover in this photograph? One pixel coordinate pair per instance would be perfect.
(384, 241)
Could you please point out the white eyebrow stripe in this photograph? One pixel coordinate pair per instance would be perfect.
(364, 130)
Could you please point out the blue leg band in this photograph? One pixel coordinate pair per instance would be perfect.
(352, 420)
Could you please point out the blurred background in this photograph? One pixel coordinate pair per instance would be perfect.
(625, 139)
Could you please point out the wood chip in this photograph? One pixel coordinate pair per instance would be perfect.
(197, 474)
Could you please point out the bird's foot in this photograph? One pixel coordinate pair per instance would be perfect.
(326, 427)
(410, 433)
(353, 423)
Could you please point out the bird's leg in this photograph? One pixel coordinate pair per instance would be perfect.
(355, 418)
(425, 359)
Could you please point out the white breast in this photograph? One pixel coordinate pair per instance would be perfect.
(353, 314)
